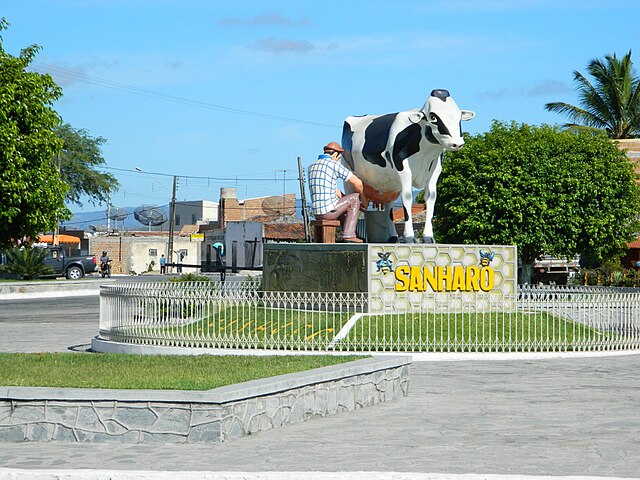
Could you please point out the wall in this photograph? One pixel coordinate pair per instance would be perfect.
(242, 233)
(130, 254)
(222, 414)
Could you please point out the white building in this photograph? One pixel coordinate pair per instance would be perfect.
(195, 212)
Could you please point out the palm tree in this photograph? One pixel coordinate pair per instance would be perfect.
(611, 103)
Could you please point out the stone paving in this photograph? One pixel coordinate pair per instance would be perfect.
(552, 417)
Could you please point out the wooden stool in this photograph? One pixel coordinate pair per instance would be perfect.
(324, 231)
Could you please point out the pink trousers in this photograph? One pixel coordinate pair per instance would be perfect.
(346, 211)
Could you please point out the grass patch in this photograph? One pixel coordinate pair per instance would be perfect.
(495, 331)
(258, 326)
(142, 372)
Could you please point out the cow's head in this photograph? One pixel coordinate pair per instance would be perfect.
(443, 117)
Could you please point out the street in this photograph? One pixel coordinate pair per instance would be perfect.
(48, 324)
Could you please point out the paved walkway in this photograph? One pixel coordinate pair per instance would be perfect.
(551, 417)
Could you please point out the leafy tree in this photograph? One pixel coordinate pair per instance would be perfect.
(547, 191)
(78, 159)
(31, 192)
(611, 103)
(26, 262)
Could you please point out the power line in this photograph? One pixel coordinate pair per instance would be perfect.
(215, 179)
(72, 74)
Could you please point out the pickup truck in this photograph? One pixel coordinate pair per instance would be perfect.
(73, 268)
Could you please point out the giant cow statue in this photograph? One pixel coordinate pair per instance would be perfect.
(391, 153)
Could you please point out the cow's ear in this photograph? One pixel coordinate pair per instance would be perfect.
(415, 117)
(467, 114)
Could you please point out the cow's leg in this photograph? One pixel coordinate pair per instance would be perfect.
(407, 200)
(430, 200)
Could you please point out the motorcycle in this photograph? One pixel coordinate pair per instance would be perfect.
(105, 269)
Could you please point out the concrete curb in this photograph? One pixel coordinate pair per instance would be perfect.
(107, 346)
(53, 288)
(16, 474)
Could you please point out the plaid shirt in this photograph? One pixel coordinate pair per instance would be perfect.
(323, 182)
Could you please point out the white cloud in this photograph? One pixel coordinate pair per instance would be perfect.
(276, 45)
(265, 19)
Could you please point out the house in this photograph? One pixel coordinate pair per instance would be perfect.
(140, 252)
(194, 212)
(244, 240)
(632, 149)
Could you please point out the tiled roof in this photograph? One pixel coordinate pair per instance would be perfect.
(283, 231)
(635, 244)
(267, 218)
(416, 210)
(188, 230)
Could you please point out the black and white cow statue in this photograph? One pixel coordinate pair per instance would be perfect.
(393, 153)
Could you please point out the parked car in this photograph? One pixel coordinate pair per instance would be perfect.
(73, 268)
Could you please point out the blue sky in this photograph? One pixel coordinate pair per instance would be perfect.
(228, 94)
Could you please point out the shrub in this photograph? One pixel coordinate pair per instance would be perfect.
(189, 277)
(26, 262)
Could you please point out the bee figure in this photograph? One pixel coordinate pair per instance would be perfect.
(486, 258)
(384, 265)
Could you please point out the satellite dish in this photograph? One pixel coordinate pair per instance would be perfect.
(278, 205)
(117, 213)
(150, 215)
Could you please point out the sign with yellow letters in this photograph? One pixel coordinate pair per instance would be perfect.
(402, 276)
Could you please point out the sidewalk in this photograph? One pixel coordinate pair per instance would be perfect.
(549, 417)
(464, 419)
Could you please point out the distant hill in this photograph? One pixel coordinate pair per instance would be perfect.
(84, 220)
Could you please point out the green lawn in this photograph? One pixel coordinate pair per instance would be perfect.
(257, 326)
(458, 332)
(160, 372)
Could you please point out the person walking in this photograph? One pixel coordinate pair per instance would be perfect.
(163, 264)
(328, 202)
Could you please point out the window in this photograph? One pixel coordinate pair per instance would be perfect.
(194, 219)
(153, 252)
(177, 219)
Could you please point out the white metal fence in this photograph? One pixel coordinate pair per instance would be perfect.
(238, 315)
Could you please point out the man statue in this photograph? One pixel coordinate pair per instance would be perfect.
(328, 202)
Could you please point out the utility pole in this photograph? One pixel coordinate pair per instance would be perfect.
(109, 212)
(56, 232)
(303, 197)
(172, 219)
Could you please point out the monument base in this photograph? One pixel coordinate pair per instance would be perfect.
(396, 277)
(315, 267)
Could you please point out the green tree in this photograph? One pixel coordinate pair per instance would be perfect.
(26, 262)
(547, 191)
(31, 192)
(79, 157)
(610, 103)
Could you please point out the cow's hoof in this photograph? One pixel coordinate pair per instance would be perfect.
(428, 240)
(392, 240)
